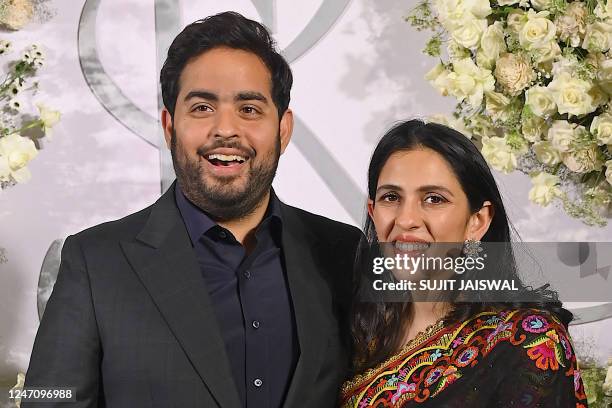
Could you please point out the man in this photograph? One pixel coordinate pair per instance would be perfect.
(218, 294)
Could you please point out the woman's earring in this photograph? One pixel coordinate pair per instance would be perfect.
(472, 248)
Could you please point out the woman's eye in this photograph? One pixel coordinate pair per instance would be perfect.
(390, 197)
(435, 199)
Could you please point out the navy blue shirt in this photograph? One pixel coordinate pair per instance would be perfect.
(251, 300)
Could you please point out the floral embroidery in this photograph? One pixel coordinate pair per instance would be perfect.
(546, 351)
(535, 324)
(425, 369)
(467, 356)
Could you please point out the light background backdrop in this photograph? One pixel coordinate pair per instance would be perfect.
(363, 75)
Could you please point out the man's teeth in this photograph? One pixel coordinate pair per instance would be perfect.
(226, 158)
(411, 246)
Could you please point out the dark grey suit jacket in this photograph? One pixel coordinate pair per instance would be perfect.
(130, 323)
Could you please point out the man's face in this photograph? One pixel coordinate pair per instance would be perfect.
(226, 137)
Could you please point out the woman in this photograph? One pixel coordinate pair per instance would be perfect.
(429, 184)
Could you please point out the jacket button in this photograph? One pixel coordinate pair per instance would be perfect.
(255, 324)
(258, 382)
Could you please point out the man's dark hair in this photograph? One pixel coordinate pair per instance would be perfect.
(232, 30)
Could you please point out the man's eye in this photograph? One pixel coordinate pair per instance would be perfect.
(249, 110)
(202, 108)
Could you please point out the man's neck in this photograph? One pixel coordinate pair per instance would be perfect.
(243, 228)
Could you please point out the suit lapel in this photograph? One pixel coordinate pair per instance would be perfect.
(308, 297)
(165, 261)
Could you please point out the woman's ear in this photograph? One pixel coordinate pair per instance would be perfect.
(371, 208)
(479, 222)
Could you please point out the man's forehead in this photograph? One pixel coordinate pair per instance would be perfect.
(226, 71)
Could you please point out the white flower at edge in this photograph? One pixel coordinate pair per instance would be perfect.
(604, 74)
(498, 154)
(562, 134)
(609, 179)
(546, 154)
(492, 44)
(537, 31)
(15, 104)
(15, 154)
(453, 13)
(456, 51)
(469, 32)
(48, 117)
(438, 78)
(540, 100)
(598, 37)
(469, 82)
(572, 95)
(544, 188)
(19, 386)
(601, 128)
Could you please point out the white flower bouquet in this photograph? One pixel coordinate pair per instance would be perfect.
(20, 131)
(533, 80)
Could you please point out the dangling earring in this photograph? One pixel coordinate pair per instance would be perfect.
(472, 248)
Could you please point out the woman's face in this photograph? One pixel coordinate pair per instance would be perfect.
(419, 199)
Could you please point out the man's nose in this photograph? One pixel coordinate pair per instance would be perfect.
(225, 125)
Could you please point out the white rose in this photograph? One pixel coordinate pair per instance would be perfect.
(469, 82)
(534, 128)
(438, 78)
(540, 100)
(15, 153)
(453, 13)
(601, 128)
(492, 44)
(544, 55)
(546, 154)
(609, 179)
(498, 154)
(562, 134)
(604, 75)
(516, 20)
(537, 31)
(572, 95)
(584, 160)
(541, 4)
(478, 8)
(544, 188)
(496, 104)
(514, 73)
(506, 2)
(469, 32)
(597, 37)
(456, 51)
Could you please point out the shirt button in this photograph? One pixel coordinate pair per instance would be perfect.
(258, 382)
(222, 235)
(255, 324)
(247, 274)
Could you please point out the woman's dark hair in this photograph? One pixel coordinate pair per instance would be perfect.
(378, 325)
(232, 30)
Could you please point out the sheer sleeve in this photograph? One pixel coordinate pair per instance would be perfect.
(541, 367)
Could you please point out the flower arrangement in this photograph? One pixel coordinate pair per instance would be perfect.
(533, 80)
(20, 132)
(14, 14)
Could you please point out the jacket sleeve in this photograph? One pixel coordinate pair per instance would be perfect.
(67, 351)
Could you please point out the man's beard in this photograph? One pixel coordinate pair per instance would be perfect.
(224, 202)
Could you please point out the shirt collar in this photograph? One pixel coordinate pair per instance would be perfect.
(198, 222)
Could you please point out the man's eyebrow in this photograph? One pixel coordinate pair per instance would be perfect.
(250, 96)
(202, 94)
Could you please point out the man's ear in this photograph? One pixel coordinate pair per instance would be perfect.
(479, 222)
(167, 125)
(286, 129)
